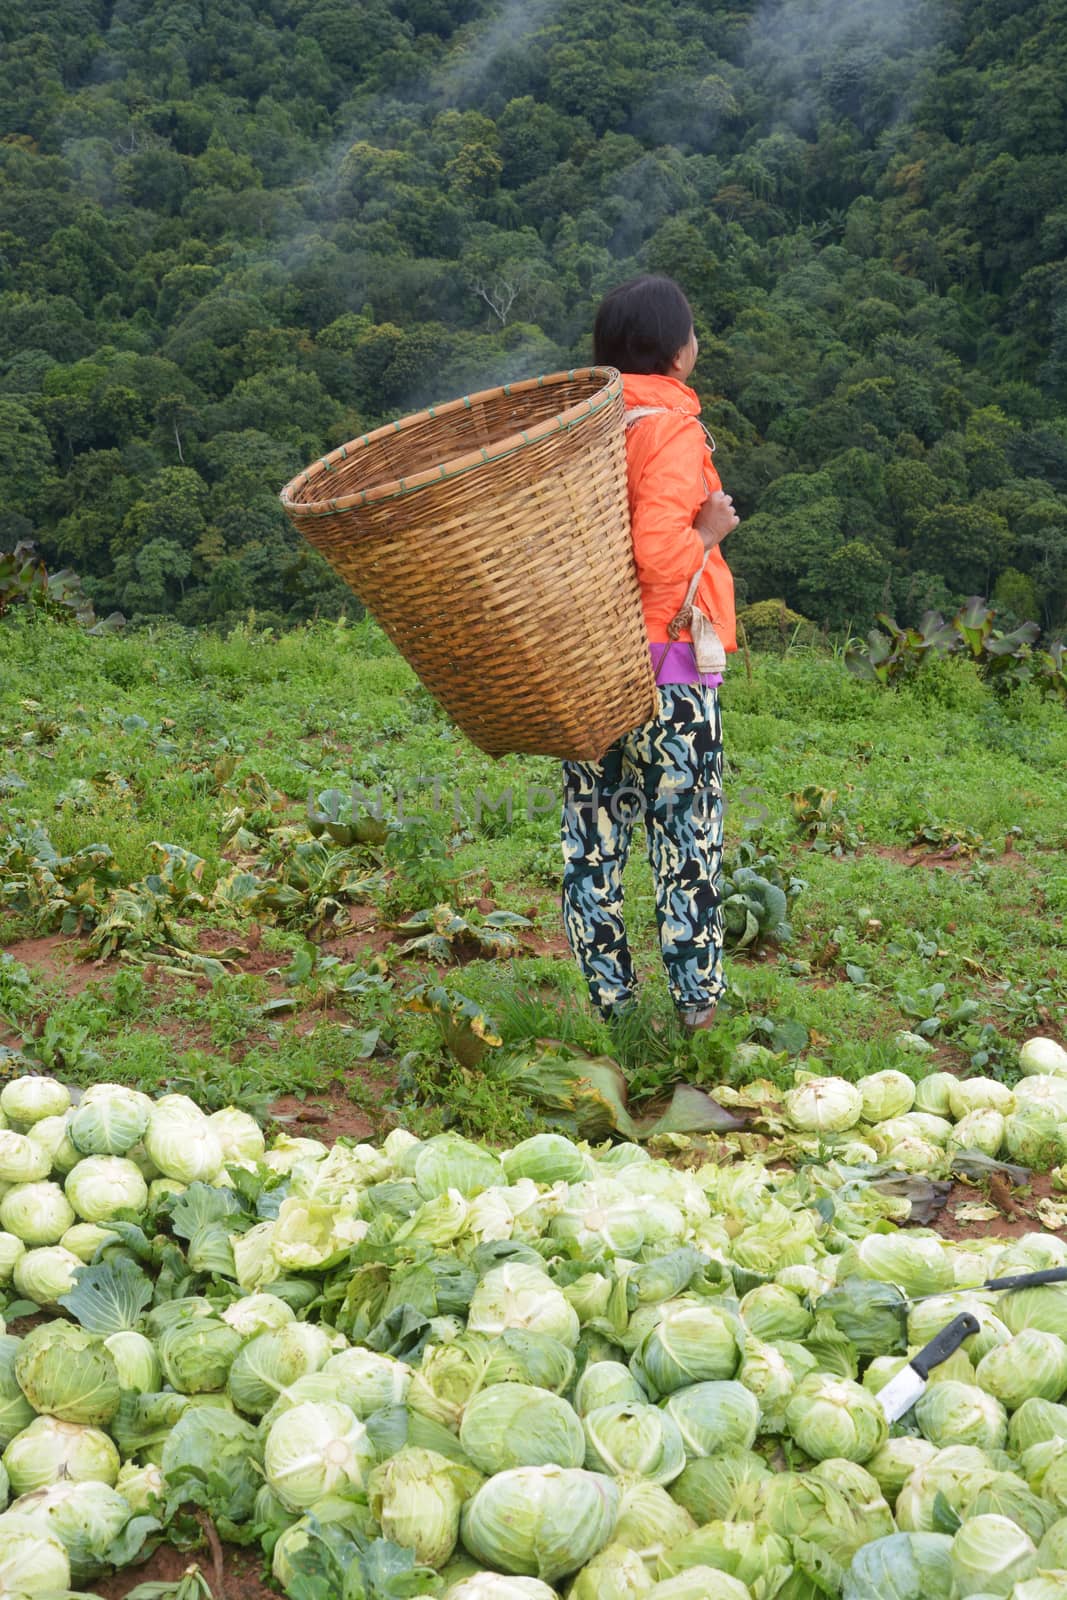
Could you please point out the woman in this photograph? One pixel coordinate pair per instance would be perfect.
(668, 770)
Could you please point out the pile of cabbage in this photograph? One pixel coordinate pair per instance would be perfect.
(429, 1368)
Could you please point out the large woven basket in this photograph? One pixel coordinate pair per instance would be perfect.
(490, 537)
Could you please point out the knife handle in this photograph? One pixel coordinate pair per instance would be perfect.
(1029, 1280)
(944, 1344)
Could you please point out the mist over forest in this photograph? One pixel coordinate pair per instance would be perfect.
(233, 236)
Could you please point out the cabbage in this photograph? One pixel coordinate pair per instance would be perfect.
(47, 1451)
(981, 1130)
(109, 1120)
(974, 1094)
(958, 1473)
(258, 1313)
(197, 1355)
(714, 1416)
(701, 1583)
(1034, 1422)
(604, 1215)
(834, 1417)
(916, 1263)
(991, 1554)
(22, 1160)
(11, 1248)
(547, 1158)
(31, 1563)
(723, 1487)
(932, 1092)
(1049, 1093)
(143, 1488)
(43, 1275)
(837, 1507)
(493, 1586)
(15, 1410)
(960, 1413)
(1031, 1365)
(181, 1141)
(316, 1449)
(135, 1360)
(617, 1573)
(239, 1135)
(86, 1239)
(68, 1373)
(1044, 1308)
(540, 1522)
(101, 1186)
(772, 1311)
(520, 1296)
(1045, 1466)
(893, 1464)
(745, 1550)
(605, 1383)
(771, 1373)
(1036, 1056)
(886, 1094)
(1036, 1136)
(902, 1566)
(633, 1440)
(52, 1136)
(1008, 1495)
(650, 1520)
(366, 1381)
(27, 1100)
(516, 1425)
(258, 1372)
(824, 1105)
(211, 1457)
(928, 1318)
(416, 1498)
(38, 1213)
(692, 1342)
(86, 1518)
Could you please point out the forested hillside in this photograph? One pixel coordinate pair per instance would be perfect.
(233, 235)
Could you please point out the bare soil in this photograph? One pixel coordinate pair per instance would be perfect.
(326, 1116)
(1017, 1208)
(54, 957)
(243, 1573)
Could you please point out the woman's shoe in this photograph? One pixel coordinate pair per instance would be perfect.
(697, 1018)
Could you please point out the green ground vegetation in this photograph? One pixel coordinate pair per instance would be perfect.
(154, 812)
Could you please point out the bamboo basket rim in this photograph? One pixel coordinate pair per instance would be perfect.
(396, 488)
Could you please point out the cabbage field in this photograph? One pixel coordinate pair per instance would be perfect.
(423, 1367)
(341, 1245)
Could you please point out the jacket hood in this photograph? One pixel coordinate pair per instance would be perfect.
(653, 389)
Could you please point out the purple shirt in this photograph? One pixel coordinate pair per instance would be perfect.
(678, 664)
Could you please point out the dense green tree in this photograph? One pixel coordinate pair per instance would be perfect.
(233, 236)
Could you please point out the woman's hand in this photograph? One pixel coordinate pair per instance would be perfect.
(715, 519)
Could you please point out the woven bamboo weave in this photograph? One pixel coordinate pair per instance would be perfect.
(490, 537)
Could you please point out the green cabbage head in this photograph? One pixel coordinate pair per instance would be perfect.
(834, 1417)
(416, 1497)
(516, 1425)
(991, 1555)
(68, 1373)
(540, 1522)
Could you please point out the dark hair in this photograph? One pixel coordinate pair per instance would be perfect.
(642, 325)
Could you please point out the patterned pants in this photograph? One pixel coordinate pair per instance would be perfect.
(670, 772)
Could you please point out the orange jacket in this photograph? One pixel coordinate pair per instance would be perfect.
(670, 475)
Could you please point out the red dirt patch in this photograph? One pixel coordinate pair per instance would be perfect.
(1018, 1214)
(54, 957)
(243, 1571)
(327, 1116)
(923, 856)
